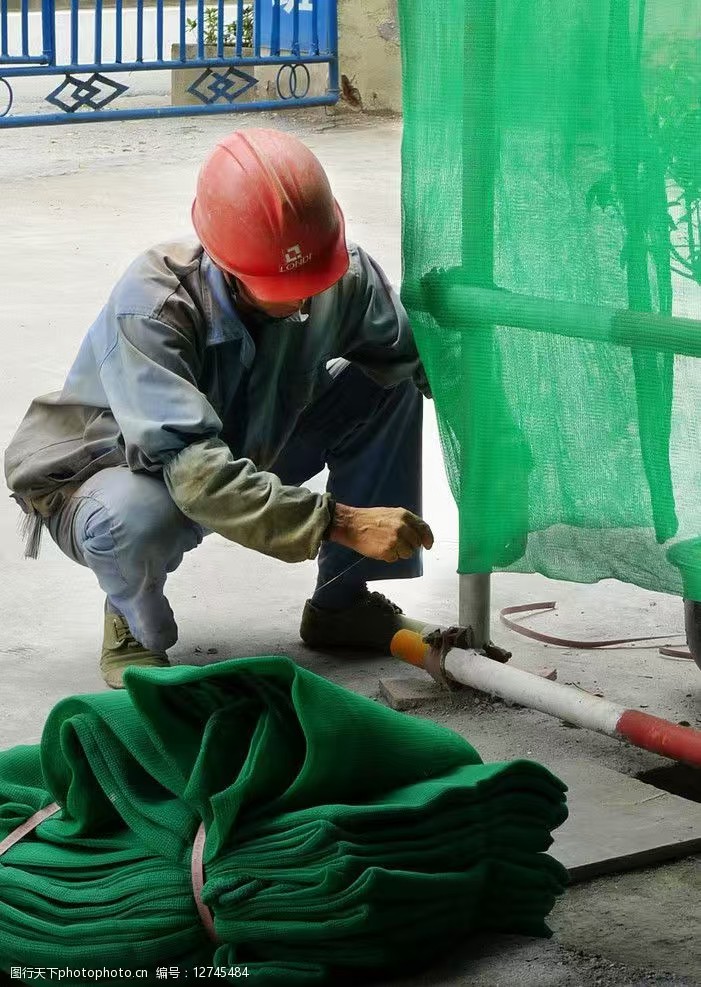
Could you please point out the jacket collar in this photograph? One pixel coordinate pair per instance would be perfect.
(224, 324)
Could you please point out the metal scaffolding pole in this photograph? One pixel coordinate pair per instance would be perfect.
(477, 247)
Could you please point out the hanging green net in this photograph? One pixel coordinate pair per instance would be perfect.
(552, 273)
(342, 838)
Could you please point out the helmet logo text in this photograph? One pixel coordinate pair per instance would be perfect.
(294, 258)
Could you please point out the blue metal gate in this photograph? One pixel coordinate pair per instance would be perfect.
(226, 48)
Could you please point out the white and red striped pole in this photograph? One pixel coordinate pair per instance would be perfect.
(515, 685)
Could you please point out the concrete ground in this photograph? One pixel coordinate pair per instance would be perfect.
(78, 203)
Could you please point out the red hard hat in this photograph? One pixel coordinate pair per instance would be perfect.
(265, 213)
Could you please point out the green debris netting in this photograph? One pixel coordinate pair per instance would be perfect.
(552, 273)
(342, 837)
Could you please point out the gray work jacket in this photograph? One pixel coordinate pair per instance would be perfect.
(168, 380)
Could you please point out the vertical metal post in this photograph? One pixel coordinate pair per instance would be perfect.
(295, 28)
(200, 28)
(479, 141)
(118, 30)
(183, 31)
(275, 35)
(48, 31)
(314, 47)
(98, 31)
(478, 229)
(474, 604)
(334, 88)
(4, 30)
(25, 28)
(240, 14)
(257, 26)
(139, 30)
(75, 30)
(159, 30)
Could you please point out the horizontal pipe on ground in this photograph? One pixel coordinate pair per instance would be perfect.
(467, 307)
(515, 685)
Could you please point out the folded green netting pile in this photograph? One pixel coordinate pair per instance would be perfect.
(342, 838)
(551, 198)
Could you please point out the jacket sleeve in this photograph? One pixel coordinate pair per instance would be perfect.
(150, 379)
(376, 334)
(245, 505)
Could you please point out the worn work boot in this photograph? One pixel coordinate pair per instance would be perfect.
(370, 624)
(120, 650)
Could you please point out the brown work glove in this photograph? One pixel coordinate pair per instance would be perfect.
(384, 533)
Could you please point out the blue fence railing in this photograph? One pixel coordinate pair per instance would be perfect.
(238, 55)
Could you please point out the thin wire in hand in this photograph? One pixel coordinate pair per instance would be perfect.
(348, 569)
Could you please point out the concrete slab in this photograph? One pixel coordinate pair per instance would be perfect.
(617, 823)
(409, 693)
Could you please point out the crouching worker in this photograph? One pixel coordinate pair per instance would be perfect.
(222, 374)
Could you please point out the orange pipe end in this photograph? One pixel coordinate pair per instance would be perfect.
(410, 647)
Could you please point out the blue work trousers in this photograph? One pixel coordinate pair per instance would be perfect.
(125, 526)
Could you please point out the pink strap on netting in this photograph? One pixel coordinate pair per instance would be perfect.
(28, 825)
(197, 863)
(197, 868)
